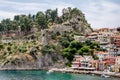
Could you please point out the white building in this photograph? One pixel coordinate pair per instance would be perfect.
(101, 55)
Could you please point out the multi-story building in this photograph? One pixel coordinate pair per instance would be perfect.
(116, 67)
(82, 62)
(77, 61)
(95, 64)
(117, 60)
(93, 36)
(115, 42)
(107, 63)
(101, 55)
(104, 39)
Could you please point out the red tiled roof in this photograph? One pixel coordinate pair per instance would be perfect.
(115, 36)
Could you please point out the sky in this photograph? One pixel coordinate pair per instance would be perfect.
(99, 13)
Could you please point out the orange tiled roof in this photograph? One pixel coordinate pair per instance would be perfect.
(102, 52)
(95, 61)
(115, 36)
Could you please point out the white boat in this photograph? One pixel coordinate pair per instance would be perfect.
(105, 76)
(50, 71)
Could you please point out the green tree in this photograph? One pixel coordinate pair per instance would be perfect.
(80, 52)
(1, 27)
(14, 25)
(27, 22)
(23, 27)
(75, 44)
(85, 49)
(6, 24)
(51, 15)
(66, 53)
(16, 17)
(41, 20)
(64, 42)
(72, 50)
(54, 15)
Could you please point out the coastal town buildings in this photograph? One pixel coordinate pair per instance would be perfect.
(101, 55)
(117, 60)
(116, 67)
(115, 45)
(108, 60)
(117, 64)
(107, 63)
(104, 39)
(93, 37)
(82, 63)
(95, 64)
(77, 61)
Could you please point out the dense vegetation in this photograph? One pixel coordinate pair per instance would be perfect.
(82, 49)
(70, 47)
(41, 20)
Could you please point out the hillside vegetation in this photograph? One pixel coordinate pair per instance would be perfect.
(52, 44)
(41, 20)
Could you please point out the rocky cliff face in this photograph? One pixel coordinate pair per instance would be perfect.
(73, 25)
(80, 26)
(42, 62)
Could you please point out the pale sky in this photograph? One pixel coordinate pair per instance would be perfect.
(99, 13)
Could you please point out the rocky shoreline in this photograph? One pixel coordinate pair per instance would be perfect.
(68, 70)
(113, 74)
(27, 69)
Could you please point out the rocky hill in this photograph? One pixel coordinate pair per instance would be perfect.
(42, 48)
(75, 23)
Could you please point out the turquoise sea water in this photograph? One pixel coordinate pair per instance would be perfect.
(43, 75)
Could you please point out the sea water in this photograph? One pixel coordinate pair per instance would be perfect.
(43, 75)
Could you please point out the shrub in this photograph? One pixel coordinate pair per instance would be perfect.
(10, 44)
(48, 49)
(80, 52)
(8, 48)
(1, 46)
(22, 49)
(33, 52)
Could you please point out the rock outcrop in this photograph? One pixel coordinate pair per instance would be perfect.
(75, 24)
(42, 62)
